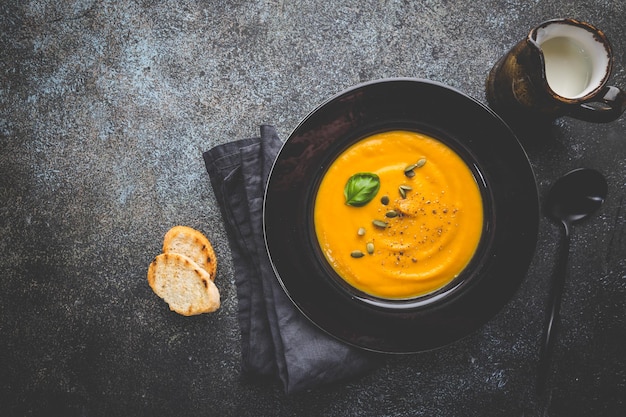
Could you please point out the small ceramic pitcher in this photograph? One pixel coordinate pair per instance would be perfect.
(560, 69)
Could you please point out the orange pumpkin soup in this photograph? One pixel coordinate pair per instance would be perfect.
(407, 223)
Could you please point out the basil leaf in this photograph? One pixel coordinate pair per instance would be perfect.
(361, 188)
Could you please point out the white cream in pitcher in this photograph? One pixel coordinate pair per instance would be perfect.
(568, 66)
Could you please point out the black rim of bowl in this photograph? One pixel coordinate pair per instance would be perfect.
(510, 200)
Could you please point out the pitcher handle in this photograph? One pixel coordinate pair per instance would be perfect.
(607, 106)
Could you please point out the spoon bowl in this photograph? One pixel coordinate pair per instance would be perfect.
(576, 195)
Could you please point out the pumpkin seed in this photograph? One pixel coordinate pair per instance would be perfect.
(420, 163)
(357, 254)
(402, 192)
(361, 231)
(384, 199)
(380, 224)
(391, 214)
(406, 187)
(410, 173)
(410, 168)
(369, 247)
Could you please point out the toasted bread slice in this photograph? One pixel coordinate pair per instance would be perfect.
(192, 243)
(183, 285)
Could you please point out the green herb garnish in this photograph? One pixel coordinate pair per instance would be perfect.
(361, 188)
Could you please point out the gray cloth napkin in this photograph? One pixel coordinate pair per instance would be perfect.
(277, 340)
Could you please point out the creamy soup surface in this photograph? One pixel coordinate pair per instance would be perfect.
(419, 230)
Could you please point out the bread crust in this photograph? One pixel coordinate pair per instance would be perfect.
(193, 244)
(183, 284)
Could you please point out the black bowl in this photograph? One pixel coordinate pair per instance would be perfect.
(510, 201)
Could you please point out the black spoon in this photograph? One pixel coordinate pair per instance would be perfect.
(572, 198)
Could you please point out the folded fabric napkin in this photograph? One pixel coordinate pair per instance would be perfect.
(277, 340)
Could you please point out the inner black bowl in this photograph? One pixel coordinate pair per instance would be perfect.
(458, 283)
(510, 220)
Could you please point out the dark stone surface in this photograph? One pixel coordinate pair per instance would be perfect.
(105, 108)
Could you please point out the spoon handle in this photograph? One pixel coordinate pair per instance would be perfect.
(554, 305)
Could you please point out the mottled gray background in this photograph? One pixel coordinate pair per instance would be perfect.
(105, 108)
